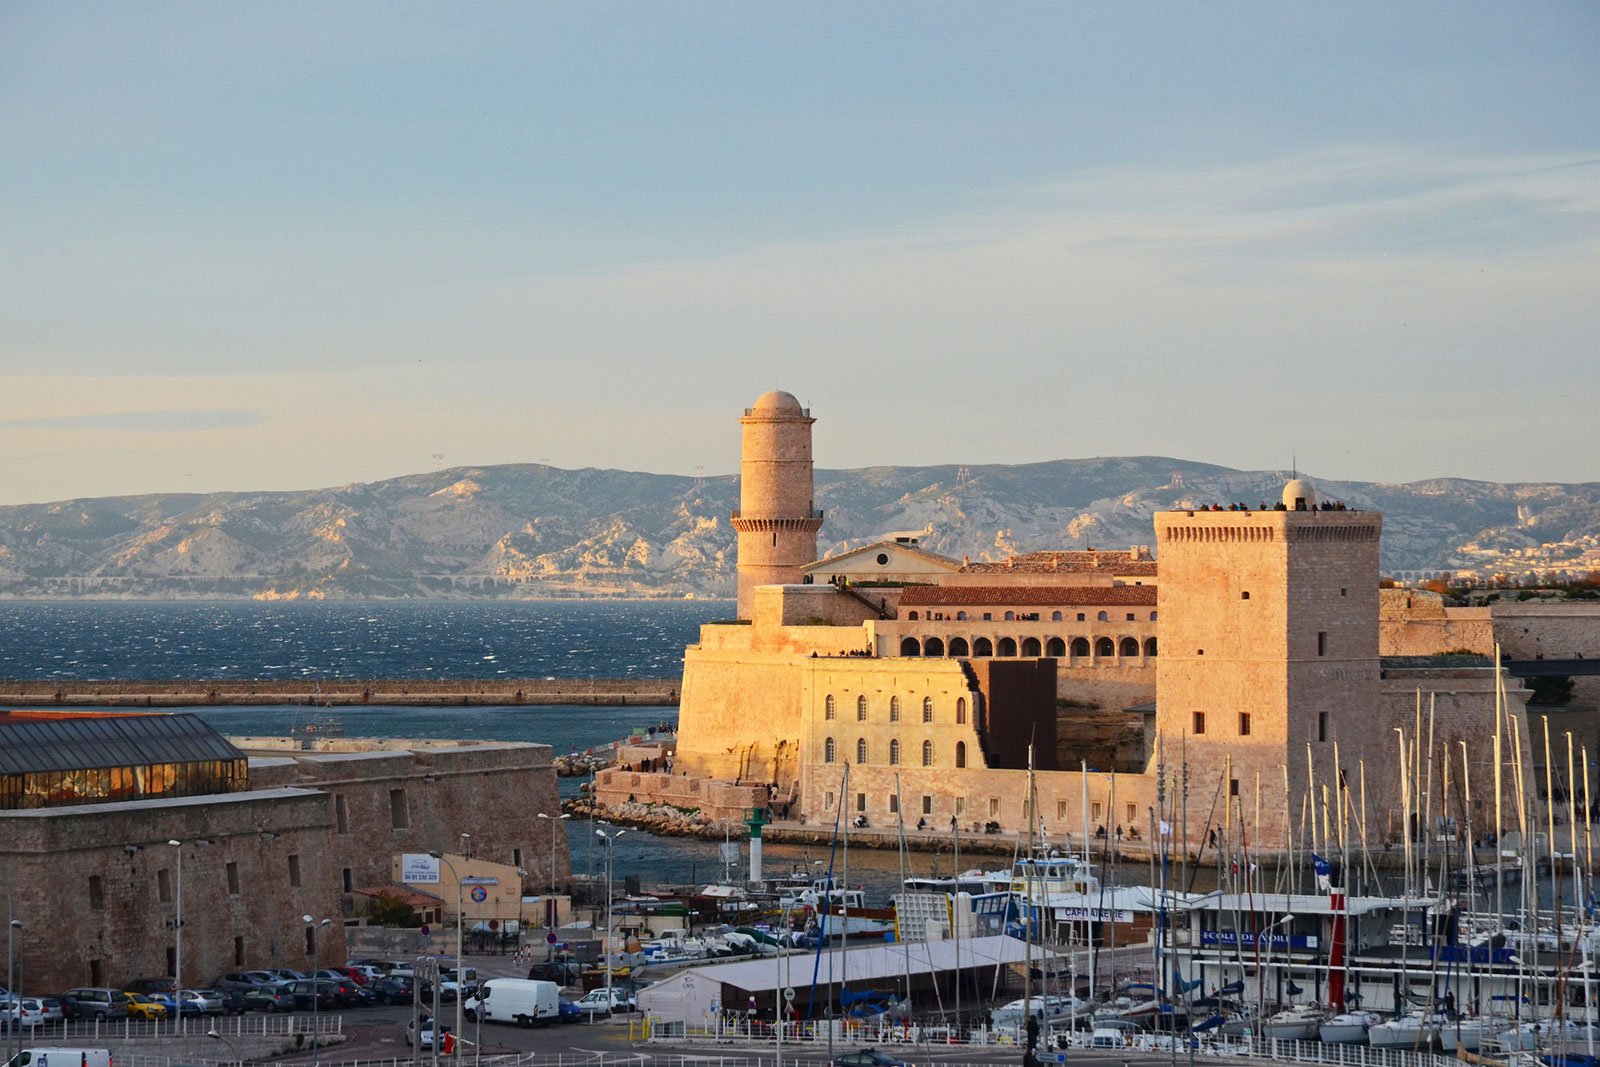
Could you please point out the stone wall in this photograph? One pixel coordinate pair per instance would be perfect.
(96, 887)
(716, 800)
(1415, 622)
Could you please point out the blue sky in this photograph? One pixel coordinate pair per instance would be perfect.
(290, 245)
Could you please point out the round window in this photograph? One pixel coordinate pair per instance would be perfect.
(883, 559)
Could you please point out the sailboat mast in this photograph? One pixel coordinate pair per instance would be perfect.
(1499, 794)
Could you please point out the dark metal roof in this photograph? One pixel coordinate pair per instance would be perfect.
(33, 744)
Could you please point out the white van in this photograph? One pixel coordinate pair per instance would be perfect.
(61, 1057)
(523, 1001)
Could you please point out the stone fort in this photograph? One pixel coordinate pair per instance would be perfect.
(1251, 655)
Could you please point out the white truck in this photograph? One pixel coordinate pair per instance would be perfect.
(522, 1001)
(61, 1057)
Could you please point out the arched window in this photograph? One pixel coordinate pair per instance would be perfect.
(927, 709)
(912, 616)
(894, 752)
(909, 647)
(961, 753)
(1105, 647)
(958, 646)
(1130, 646)
(1080, 646)
(1055, 647)
(1030, 646)
(961, 616)
(982, 647)
(894, 709)
(1011, 616)
(1149, 646)
(827, 706)
(861, 708)
(1055, 616)
(961, 710)
(861, 751)
(933, 647)
(1152, 616)
(927, 753)
(829, 753)
(1007, 647)
(1103, 617)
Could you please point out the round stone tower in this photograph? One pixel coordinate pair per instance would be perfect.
(777, 520)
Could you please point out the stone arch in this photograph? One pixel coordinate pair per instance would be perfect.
(982, 647)
(861, 751)
(1130, 646)
(1080, 646)
(933, 647)
(910, 647)
(1006, 647)
(927, 753)
(1150, 646)
(861, 708)
(830, 751)
(927, 709)
(1030, 646)
(1055, 647)
(961, 753)
(958, 646)
(1104, 647)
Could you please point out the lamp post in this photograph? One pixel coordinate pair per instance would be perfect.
(555, 826)
(14, 1025)
(316, 988)
(609, 839)
(177, 951)
(461, 919)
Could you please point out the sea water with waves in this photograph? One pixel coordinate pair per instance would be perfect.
(143, 641)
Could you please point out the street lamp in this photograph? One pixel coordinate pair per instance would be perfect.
(216, 1035)
(316, 987)
(13, 928)
(461, 919)
(177, 952)
(555, 823)
(609, 839)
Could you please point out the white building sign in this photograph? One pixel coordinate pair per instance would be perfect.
(419, 868)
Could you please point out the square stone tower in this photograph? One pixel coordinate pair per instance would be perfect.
(1269, 644)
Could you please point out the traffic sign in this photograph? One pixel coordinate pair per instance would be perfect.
(788, 993)
(424, 931)
(550, 938)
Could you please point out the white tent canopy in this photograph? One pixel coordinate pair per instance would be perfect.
(694, 996)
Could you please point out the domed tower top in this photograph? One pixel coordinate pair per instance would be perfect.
(1300, 495)
(776, 403)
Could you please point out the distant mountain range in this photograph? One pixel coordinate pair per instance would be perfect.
(523, 530)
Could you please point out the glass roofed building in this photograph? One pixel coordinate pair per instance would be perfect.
(52, 759)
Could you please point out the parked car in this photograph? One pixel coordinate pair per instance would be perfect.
(54, 1010)
(245, 979)
(310, 992)
(597, 1002)
(560, 972)
(395, 990)
(422, 1035)
(285, 974)
(570, 1012)
(95, 1002)
(140, 1006)
(151, 985)
(267, 998)
(21, 1013)
(361, 972)
(868, 1057)
(201, 1002)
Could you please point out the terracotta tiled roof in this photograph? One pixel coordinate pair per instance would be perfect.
(1086, 561)
(409, 897)
(1026, 595)
(933, 557)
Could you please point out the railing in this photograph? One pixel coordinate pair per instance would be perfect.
(130, 1029)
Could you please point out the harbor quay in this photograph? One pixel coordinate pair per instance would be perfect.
(341, 692)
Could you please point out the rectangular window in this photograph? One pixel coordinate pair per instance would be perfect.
(1199, 722)
(961, 805)
(1080, 616)
(1245, 595)
(1322, 726)
(97, 976)
(164, 886)
(1244, 724)
(1130, 616)
(1094, 811)
(341, 813)
(294, 870)
(311, 941)
(97, 892)
(238, 952)
(348, 879)
(994, 806)
(927, 805)
(1322, 642)
(172, 960)
(829, 804)
(988, 616)
(1133, 813)
(233, 879)
(399, 816)
(1061, 809)
(516, 857)
(1233, 787)
(861, 802)
(894, 804)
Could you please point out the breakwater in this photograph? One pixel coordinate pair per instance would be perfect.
(425, 692)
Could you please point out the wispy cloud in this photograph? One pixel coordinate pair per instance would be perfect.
(143, 421)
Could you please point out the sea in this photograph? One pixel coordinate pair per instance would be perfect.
(140, 640)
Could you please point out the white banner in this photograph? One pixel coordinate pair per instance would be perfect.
(419, 868)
